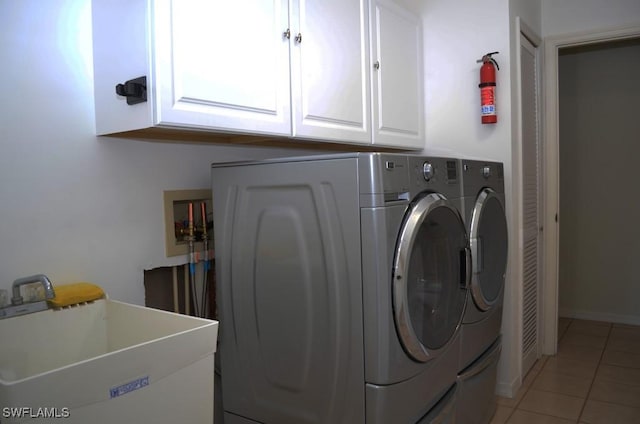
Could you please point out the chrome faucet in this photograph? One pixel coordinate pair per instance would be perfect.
(38, 278)
(18, 307)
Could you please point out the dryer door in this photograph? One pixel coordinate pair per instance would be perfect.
(488, 242)
(430, 276)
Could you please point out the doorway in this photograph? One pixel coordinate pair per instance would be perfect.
(599, 90)
(552, 187)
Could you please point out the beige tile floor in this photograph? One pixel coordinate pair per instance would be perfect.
(594, 379)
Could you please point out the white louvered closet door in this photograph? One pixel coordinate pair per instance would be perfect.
(531, 203)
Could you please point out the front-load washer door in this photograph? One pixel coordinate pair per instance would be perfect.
(430, 276)
(488, 242)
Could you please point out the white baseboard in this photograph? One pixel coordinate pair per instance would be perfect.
(508, 390)
(599, 316)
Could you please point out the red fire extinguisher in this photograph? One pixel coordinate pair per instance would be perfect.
(488, 88)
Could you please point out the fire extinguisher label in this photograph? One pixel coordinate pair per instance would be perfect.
(488, 109)
(487, 95)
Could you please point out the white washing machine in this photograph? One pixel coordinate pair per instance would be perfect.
(484, 214)
(341, 282)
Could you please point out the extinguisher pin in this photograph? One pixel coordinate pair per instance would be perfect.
(487, 58)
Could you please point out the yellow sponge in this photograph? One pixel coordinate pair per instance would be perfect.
(71, 294)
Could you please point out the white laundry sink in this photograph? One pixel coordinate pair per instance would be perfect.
(107, 362)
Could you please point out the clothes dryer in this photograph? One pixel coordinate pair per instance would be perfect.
(341, 288)
(483, 202)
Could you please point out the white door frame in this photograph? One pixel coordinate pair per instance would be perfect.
(551, 174)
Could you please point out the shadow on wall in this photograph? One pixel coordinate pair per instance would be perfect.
(168, 288)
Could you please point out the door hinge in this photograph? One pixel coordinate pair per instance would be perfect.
(135, 90)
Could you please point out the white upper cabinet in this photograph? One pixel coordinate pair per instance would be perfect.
(210, 64)
(222, 64)
(397, 79)
(293, 68)
(330, 70)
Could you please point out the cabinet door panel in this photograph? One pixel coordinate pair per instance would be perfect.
(330, 84)
(398, 111)
(223, 64)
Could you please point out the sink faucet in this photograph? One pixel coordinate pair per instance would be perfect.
(38, 278)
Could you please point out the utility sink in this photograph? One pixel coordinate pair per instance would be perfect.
(107, 362)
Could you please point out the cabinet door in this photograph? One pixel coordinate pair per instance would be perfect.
(398, 105)
(329, 70)
(221, 64)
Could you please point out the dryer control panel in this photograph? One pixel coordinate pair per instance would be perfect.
(435, 174)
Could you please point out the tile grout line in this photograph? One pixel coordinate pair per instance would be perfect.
(561, 337)
(593, 380)
(537, 373)
(526, 390)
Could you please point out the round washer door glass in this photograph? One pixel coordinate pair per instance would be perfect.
(488, 241)
(430, 275)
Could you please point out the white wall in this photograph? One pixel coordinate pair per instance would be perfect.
(599, 150)
(456, 35)
(528, 11)
(574, 16)
(73, 206)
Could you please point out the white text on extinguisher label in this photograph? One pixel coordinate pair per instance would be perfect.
(487, 97)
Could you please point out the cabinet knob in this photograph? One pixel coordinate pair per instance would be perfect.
(287, 34)
(299, 37)
(376, 65)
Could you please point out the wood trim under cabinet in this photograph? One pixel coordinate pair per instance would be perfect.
(171, 135)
